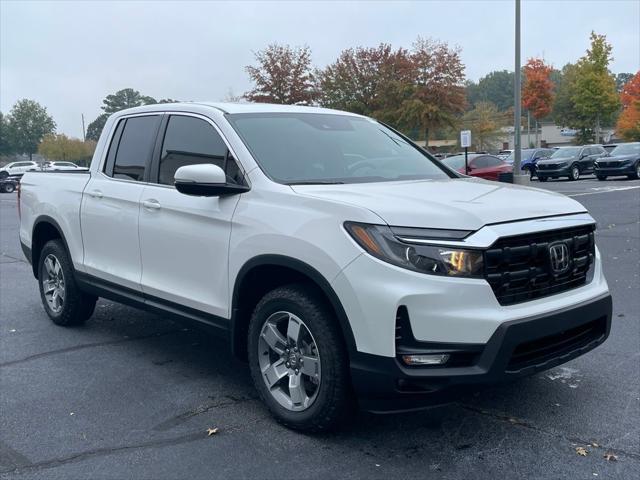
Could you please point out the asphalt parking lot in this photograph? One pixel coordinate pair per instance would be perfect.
(131, 395)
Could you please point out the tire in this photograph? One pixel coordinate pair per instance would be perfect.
(542, 179)
(63, 301)
(635, 176)
(574, 174)
(8, 187)
(4, 174)
(325, 405)
(532, 172)
(602, 178)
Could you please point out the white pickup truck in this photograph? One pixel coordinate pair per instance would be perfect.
(342, 261)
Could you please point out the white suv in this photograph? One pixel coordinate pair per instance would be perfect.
(17, 168)
(341, 260)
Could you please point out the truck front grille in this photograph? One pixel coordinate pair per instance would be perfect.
(519, 268)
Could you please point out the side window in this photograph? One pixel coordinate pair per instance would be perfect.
(113, 148)
(191, 141)
(586, 151)
(134, 147)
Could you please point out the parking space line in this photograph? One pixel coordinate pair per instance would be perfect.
(602, 190)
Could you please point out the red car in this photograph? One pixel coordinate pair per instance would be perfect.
(480, 165)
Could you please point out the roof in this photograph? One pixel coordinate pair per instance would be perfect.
(238, 108)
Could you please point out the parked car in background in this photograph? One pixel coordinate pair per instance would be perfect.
(622, 160)
(529, 158)
(481, 165)
(570, 162)
(61, 166)
(9, 184)
(15, 168)
(504, 154)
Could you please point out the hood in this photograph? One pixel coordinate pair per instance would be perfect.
(557, 160)
(466, 204)
(618, 158)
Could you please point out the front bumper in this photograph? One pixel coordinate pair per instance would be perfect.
(555, 172)
(517, 348)
(614, 171)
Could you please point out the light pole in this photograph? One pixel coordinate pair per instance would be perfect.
(517, 147)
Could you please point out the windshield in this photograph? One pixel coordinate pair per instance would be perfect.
(566, 152)
(626, 149)
(323, 148)
(525, 155)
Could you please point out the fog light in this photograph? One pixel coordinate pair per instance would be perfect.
(425, 359)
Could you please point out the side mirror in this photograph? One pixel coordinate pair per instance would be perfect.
(205, 180)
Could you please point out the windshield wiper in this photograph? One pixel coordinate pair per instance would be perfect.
(316, 182)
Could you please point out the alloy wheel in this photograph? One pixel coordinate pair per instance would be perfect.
(53, 284)
(289, 361)
(575, 173)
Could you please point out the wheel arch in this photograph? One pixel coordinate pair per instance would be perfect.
(277, 270)
(45, 228)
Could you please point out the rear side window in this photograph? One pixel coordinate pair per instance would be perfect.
(131, 147)
(191, 141)
(480, 162)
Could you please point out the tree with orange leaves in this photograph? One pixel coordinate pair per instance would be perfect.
(629, 121)
(537, 93)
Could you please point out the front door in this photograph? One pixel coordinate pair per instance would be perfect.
(111, 204)
(184, 240)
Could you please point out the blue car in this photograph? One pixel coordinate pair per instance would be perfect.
(530, 157)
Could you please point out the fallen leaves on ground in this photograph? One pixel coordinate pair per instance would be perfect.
(610, 457)
(212, 431)
(582, 451)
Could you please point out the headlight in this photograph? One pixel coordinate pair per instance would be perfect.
(380, 241)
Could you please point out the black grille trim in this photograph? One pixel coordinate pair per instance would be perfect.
(518, 268)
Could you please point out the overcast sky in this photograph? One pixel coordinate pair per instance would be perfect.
(69, 55)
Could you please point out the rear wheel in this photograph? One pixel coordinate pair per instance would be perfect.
(8, 187)
(636, 175)
(574, 174)
(298, 360)
(602, 178)
(63, 301)
(542, 179)
(4, 174)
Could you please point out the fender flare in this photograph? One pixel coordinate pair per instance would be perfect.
(300, 267)
(51, 221)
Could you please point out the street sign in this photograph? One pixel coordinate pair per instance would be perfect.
(465, 138)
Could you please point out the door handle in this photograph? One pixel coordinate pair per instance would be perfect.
(96, 194)
(151, 204)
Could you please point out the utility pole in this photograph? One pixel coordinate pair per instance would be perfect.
(84, 137)
(528, 129)
(517, 146)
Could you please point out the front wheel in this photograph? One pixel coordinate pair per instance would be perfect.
(63, 301)
(636, 175)
(298, 359)
(602, 178)
(575, 173)
(542, 179)
(4, 174)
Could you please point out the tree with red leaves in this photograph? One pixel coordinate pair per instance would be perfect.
(629, 121)
(537, 93)
(282, 75)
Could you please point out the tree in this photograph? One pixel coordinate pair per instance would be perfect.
(495, 87)
(60, 147)
(628, 125)
(594, 93)
(438, 93)
(122, 99)
(537, 93)
(622, 79)
(368, 81)
(282, 75)
(484, 121)
(94, 129)
(564, 113)
(27, 123)
(125, 98)
(5, 144)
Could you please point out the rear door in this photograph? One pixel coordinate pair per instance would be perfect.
(111, 203)
(184, 240)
